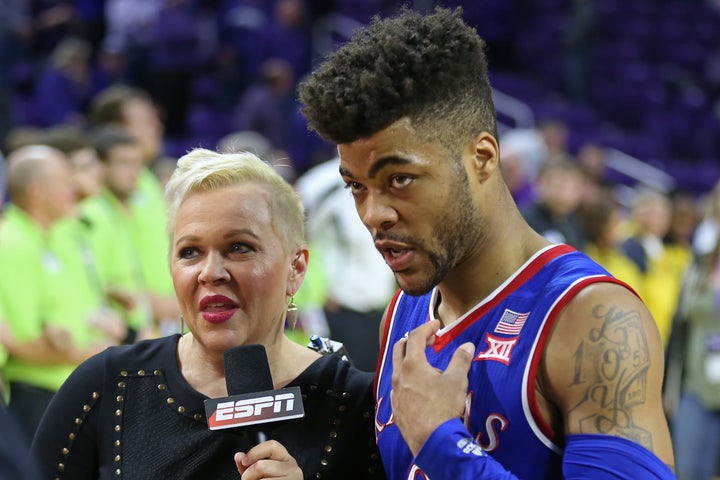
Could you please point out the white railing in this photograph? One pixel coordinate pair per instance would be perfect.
(638, 170)
(518, 111)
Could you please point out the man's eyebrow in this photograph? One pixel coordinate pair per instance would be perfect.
(345, 173)
(379, 165)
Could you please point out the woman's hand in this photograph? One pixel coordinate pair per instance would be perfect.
(269, 459)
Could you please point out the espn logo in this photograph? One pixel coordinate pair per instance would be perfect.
(254, 408)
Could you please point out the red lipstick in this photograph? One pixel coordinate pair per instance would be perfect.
(217, 308)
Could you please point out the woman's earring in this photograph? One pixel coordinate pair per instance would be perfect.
(292, 314)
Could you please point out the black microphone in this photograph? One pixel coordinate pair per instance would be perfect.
(247, 370)
(252, 400)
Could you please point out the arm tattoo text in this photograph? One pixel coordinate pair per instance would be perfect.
(612, 365)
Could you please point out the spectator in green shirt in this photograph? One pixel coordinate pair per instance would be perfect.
(48, 299)
(88, 181)
(133, 110)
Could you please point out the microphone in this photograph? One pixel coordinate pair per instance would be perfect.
(252, 400)
(247, 370)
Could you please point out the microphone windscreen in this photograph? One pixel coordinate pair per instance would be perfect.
(247, 370)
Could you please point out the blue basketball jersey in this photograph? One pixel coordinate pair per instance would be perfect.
(509, 328)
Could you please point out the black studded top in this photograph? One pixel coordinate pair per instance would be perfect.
(128, 413)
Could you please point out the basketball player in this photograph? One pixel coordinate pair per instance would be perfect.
(504, 356)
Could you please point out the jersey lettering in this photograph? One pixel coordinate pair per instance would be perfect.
(416, 474)
(379, 425)
(494, 424)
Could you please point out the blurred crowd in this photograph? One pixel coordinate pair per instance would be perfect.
(212, 67)
(98, 98)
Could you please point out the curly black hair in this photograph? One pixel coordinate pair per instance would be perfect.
(429, 68)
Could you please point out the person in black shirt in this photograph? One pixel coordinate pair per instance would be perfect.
(237, 257)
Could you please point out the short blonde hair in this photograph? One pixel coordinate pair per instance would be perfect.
(203, 170)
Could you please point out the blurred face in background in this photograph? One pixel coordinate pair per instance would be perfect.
(561, 189)
(53, 191)
(653, 216)
(87, 172)
(142, 122)
(122, 169)
(513, 170)
(684, 219)
(612, 231)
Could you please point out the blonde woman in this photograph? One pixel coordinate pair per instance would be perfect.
(237, 257)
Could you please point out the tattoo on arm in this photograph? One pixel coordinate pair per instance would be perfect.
(612, 364)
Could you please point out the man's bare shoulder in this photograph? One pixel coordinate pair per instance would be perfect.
(602, 368)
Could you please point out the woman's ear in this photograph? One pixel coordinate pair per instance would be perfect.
(298, 269)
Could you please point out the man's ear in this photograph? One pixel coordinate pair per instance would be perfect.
(486, 155)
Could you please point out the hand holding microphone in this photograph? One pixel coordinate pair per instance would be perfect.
(253, 402)
(251, 466)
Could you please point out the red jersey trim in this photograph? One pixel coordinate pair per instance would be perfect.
(522, 276)
(384, 347)
(544, 334)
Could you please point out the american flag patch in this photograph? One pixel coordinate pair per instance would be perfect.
(511, 322)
